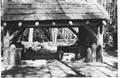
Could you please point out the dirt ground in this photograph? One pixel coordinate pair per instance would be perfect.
(54, 68)
(111, 58)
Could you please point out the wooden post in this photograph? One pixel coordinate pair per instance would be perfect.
(12, 54)
(89, 55)
(18, 56)
(94, 46)
(6, 48)
(100, 36)
(54, 35)
(30, 39)
(82, 36)
(99, 44)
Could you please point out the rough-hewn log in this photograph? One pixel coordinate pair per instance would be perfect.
(78, 54)
(100, 36)
(15, 35)
(75, 32)
(15, 55)
(89, 55)
(30, 39)
(18, 56)
(9, 51)
(6, 48)
(94, 46)
(54, 34)
(48, 23)
(99, 57)
(99, 44)
(12, 55)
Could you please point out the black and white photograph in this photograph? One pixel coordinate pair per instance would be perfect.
(59, 38)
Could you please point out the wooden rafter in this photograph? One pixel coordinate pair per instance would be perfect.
(75, 32)
(15, 36)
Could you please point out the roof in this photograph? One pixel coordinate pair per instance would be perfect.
(54, 10)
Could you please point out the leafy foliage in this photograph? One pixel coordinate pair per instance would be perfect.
(40, 34)
(111, 28)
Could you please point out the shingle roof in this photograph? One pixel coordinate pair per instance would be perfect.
(54, 10)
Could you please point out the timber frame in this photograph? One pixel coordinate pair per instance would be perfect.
(49, 23)
(22, 25)
(88, 16)
(91, 29)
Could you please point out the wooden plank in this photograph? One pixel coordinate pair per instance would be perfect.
(65, 7)
(49, 5)
(69, 9)
(44, 1)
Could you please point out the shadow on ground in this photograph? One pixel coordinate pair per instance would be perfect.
(116, 65)
(112, 53)
(24, 72)
(50, 69)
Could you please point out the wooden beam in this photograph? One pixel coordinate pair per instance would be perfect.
(15, 36)
(54, 34)
(94, 47)
(99, 44)
(100, 36)
(89, 55)
(74, 31)
(30, 38)
(51, 24)
(12, 55)
(6, 49)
